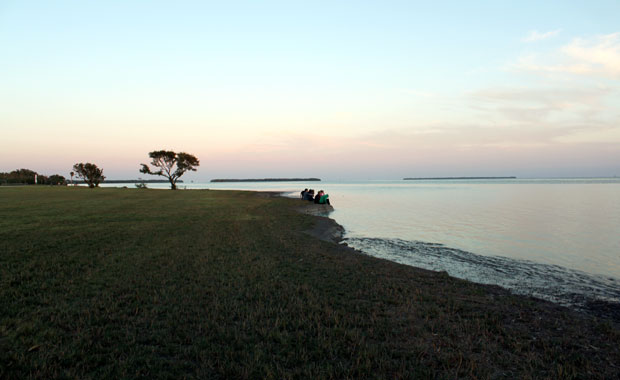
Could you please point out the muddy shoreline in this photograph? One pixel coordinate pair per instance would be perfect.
(327, 229)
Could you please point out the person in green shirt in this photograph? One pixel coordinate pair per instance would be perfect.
(323, 198)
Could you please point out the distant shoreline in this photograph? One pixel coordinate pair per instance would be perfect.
(267, 180)
(449, 178)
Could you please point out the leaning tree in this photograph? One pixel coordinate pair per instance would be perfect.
(170, 165)
(90, 173)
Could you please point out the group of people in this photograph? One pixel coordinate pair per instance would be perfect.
(320, 197)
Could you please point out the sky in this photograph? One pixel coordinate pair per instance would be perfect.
(340, 90)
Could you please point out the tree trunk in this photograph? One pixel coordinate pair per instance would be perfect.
(173, 186)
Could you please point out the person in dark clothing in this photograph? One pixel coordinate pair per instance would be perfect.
(318, 196)
(303, 193)
(310, 195)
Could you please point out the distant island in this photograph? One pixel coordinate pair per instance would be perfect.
(267, 180)
(448, 178)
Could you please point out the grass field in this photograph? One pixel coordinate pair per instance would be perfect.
(126, 283)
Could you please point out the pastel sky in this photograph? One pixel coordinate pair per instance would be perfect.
(332, 89)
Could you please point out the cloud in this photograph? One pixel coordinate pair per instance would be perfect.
(557, 97)
(530, 64)
(533, 117)
(596, 56)
(507, 144)
(592, 135)
(600, 54)
(536, 104)
(535, 35)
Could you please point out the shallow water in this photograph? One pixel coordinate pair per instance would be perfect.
(575, 224)
(557, 239)
(551, 282)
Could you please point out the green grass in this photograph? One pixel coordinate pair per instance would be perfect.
(126, 283)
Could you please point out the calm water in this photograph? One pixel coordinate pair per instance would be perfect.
(554, 238)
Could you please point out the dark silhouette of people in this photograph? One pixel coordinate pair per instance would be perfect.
(320, 198)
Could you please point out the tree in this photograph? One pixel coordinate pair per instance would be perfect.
(42, 179)
(90, 173)
(56, 179)
(171, 165)
(22, 176)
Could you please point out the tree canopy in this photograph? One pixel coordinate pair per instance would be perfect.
(171, 165)
(27, 177)
(56, 179)
(19, 176)
(90, 173)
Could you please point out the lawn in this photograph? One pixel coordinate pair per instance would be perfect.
(126, 283)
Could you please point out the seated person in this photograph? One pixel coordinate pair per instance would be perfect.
(318, 196)
(310, 195)
(303, 193)
(324, 199)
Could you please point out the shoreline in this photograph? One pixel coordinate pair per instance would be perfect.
(329, 230)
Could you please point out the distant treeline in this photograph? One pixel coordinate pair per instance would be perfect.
(267, 180)
(27, 177)
(448, 178)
